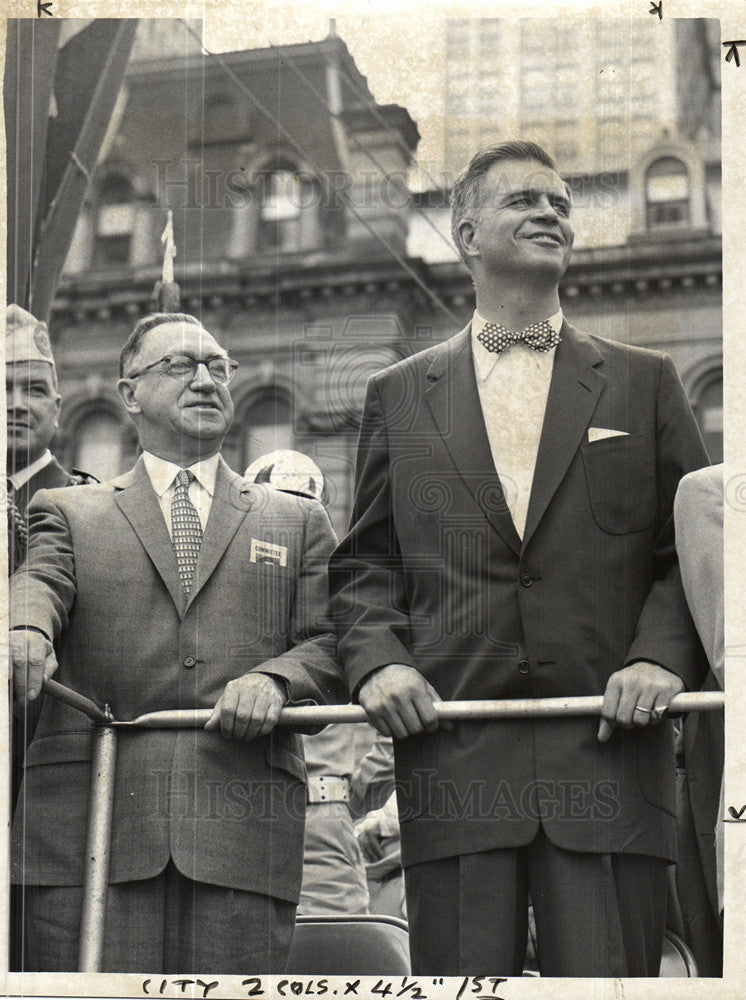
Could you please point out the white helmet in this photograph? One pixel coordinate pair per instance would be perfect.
(289, 471)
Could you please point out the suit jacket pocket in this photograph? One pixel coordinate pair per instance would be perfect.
(620, 476)
(268, 589)
(59, 748)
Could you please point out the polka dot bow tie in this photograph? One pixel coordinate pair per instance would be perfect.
(539, 337)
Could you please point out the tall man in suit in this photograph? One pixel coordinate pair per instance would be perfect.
(511, 537)
(176, 585)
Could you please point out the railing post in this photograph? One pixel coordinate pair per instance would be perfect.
(98, 849)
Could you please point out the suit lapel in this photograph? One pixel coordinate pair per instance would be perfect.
(231, 501)
(453, 399)
(139, 504)
(573, 394)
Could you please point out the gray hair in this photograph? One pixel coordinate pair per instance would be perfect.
(132, 344)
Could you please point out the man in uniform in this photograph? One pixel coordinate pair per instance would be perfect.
(32, 408)
(341, 781)
(32, 411)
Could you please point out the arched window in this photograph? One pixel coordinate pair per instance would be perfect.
(289, 210)
(100, 444)
(115, 221)
(708, 409)
(265, 424)
(667, 193)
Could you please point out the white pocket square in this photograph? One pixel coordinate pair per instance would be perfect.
(599, 433)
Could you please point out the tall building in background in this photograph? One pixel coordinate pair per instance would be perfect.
(630, 110)
(597, 93)
(287, 183)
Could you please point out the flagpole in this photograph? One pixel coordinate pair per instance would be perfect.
(167, 294)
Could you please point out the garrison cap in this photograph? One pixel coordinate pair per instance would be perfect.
(26, 337)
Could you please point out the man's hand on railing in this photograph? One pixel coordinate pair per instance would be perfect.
(399, 702)
(322, 715)
(34, 662)
(248, 707)
(638, 695)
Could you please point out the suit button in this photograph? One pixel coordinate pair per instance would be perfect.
(526, 580)
(523, 667)
(189, 661)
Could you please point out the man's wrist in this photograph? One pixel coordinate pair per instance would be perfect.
(654, 663)
(282, 681)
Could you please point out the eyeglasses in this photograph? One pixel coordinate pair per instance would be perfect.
(184, 367)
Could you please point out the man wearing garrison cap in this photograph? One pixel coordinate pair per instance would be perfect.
(32, 412)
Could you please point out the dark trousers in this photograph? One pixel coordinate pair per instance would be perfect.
(596, 914)
(168, 924)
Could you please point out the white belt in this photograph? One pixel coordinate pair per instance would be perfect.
(328, 788)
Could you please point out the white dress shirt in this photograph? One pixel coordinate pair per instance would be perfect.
(513, 388)
(201, 490)
(22, 476)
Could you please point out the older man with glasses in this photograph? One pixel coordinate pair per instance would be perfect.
(176, 585)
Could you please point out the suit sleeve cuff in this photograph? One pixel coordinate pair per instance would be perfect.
(30, 628)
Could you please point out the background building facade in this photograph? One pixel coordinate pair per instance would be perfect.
(301, 247)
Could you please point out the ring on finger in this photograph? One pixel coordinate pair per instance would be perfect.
(659, 712)
(647, 711)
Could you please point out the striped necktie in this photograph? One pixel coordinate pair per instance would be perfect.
(186, 529)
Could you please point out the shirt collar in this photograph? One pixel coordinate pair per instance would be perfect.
(22, 476)
(163, 473)
(485, 360)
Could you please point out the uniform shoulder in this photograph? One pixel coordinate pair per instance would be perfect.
(84, 493)
(79, 478)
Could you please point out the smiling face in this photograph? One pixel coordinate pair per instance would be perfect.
(32, 408)
(178, 419)
(521, 231)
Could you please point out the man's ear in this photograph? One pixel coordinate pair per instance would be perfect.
(126, 390)
(469, 238)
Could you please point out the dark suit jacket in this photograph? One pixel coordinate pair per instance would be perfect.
(50, 477)
(101, 579)
(433, 574)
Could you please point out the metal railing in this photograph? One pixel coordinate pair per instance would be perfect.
(104, 757)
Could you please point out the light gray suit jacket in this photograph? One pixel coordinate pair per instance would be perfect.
(101, 580)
